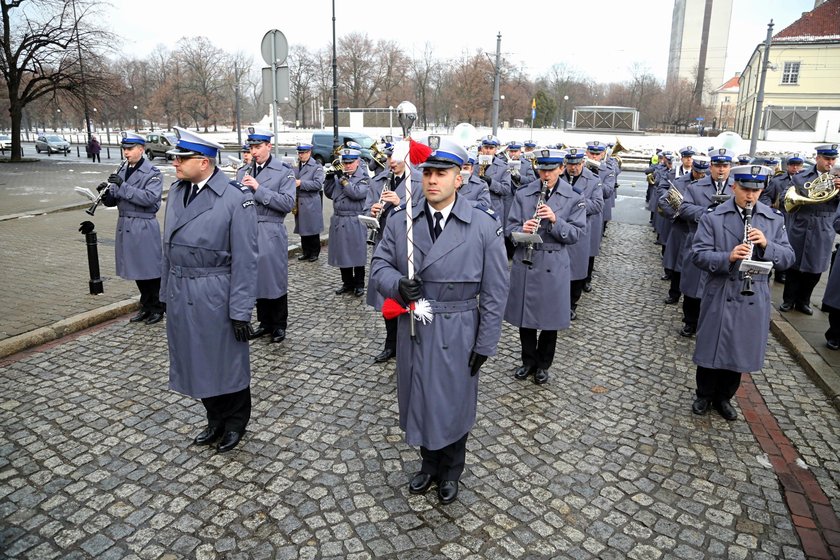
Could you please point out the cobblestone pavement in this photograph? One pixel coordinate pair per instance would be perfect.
(605, 461)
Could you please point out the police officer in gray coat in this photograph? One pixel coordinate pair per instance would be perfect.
(387, 192)
(209, 286)
(273, 183)
(607, 176)
(348, 189)
(811, 234)
(734, 325)
(526, 172)
(461, 270)
(539, 292)
(700, 197)
(136, 191)
(309, 217)
(831, 298)
(472, 188)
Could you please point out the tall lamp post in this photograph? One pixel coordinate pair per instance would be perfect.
(335, 84)
(565, 98)
(93, 124)
(135, 119)
(759, 101)
(60, 124)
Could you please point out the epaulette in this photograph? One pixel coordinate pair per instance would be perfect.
(154, 169)
(486, 210)
(239, 186)
(399, 208)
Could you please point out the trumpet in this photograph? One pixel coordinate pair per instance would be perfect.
(374, 232)
(746, 285)
(90, 211)
(529, 248)
(594, 165)
(484, 162)
(674, 197)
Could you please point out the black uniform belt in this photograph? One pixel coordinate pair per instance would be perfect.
(198, 271)
(453, 306)
(345, 213)
(141, 215)
(266, 218)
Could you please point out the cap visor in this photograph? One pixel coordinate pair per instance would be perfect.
(183, 152)
(438, 164)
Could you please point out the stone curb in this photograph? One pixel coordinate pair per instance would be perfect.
(82, 321)
(817, 369)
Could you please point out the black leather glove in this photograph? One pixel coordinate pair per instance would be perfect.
(115, 179)
(339, 173)
(476, 361)
(410, 289)
(241, 330)
(101, 186)
(487, 179)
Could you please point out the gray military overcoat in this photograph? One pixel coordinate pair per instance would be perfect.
(465, 277)
(209, 267)
(832, 289)
(348, 236)
(310, 215)
(810, 229)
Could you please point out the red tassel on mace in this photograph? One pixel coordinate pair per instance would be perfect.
(417, 152)
(392, 309)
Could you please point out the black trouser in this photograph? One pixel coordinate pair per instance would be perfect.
(509, 247)
(604, 231)
(353, 277)
(95, 157)
(537, 353)
(691, 311)
(231, 411)
(717, 384)
(674, 288)
(273, 313)
(446, 463)
(391, 334)
(833, 332)
(590, 269)
(576, 290)
(799, 286)
(150, 295)
(310, 245)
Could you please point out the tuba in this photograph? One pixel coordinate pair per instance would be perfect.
(819, 190)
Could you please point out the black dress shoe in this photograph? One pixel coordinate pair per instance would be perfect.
(573, 315)
(312, 258)
(448, 491)
(786, 306)
(665, 276)
(258, 332)
(671, 300)
(343, 290)
(303, 257)
(804, 308)
(832, 344)
(587, 287)
(154, 318)
(278, 335)
(385, 355)
(420, 483)
(541, 376)
(523, 372)
(726, 410)
(780, 277)
(358, 292)
(142, 315)
(229, 441)
(700, 406)
(688, 331)
(208, 436)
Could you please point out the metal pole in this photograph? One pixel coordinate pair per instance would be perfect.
(496, 84)
(238, 121)
(88, 230)
(274, 91)
(759, 102)
(335, 84)
(81, 72)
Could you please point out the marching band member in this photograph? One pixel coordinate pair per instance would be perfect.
(209, 266)
(459, 255)
(309, 220)
(347, 250)
(246, 154)
(668, 257)
(472, 188)
(136, 191)
(699, 197)
(811, 234)
(539, 292)
(831, 298)
(526, 170)
(273, 185)
(498, 179)
(387, 192)
(587, 185)
(774, 195)
(607, 175)
(734, 325)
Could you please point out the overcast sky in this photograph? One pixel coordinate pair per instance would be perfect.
(599, 39)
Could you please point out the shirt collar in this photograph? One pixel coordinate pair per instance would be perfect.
(445, 212)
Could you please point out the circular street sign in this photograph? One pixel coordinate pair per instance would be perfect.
(281, 47)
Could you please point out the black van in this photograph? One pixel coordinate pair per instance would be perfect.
(322, 145)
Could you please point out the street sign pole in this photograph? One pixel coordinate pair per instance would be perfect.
(274, 49)
(274, 92)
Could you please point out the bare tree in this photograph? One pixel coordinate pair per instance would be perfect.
(40, 51)
(421, 73)
(203, 83)
(301, 80)
(358, 72)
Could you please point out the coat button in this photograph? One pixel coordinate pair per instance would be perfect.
(729, 299)
(446, 315)
(530, 268)
(548, 271)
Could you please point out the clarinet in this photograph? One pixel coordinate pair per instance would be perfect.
(529, 248)
(746, 285)
(90, 211)
(374, 233)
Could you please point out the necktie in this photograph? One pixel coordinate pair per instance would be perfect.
(719, 187)
(257, 170)
(438, 226)
(193, 194)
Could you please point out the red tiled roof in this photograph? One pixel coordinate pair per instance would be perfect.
(820, 24)
(731, 83)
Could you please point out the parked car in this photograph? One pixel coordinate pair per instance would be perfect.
(5, 142)
(52, 144)
(158, 144)
(322, 145)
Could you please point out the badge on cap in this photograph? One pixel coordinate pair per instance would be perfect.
(755, 170)
(434, 141)
(545, 153)
(250, 130)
